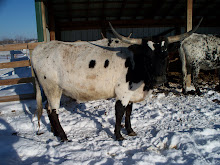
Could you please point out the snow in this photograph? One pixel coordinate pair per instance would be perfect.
(171, 129)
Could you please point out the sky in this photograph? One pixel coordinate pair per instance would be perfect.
(17, 19)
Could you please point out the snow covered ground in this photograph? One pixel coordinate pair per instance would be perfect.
(171, 129)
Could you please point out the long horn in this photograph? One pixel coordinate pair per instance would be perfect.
(126, 39)
(181, 37)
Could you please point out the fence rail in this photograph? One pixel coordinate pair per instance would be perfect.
(17, 97)
(16, 81)
(17, 64)
(19, 46)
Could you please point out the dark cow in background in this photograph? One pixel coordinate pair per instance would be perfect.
(199, 51)
(126, 69)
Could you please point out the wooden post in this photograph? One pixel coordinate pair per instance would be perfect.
(44, 21)
(52, 27)
(189, 27)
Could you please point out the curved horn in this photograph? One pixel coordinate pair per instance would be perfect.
(126, 39)
(180, 37)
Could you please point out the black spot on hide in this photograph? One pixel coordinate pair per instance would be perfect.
(214, 53)
(116, 41)
(92, 64)
(109, 42)
(208, 56)
(45, 77)
(106, 63)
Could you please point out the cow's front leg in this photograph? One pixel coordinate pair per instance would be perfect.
(55, 124)
(119, 113)
(128, 120)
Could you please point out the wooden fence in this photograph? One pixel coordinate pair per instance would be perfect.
(17, 64)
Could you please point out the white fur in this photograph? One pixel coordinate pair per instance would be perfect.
(64, 68)
(197, 51)
(151, 45)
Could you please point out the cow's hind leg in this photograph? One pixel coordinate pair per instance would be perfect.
(54, 97)
(184, 69)
(119, 113)
(128, 120)
(195, 79)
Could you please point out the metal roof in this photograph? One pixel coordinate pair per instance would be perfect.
(95, 14)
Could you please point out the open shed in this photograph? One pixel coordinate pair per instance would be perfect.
(71, 20)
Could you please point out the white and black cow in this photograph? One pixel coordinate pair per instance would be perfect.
(199, 51)
(126, 69)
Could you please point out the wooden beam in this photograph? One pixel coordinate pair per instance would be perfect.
(19, 46)
(74, 25)
(189, 27)
(44, 21)
(99, 2)
(84, 25)
(17, 97)
(51, 20)
(84, 10)
(189, 14)
(52, 27)
(15, 64)
(16, 81)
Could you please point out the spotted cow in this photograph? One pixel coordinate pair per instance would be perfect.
(199, 51)
(123, 68)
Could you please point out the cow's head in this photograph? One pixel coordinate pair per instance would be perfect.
(154, 54)
(150, 60)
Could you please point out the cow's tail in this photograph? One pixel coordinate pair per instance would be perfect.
(38, 98)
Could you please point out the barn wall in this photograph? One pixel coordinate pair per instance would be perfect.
(84, 35)
(95, 34)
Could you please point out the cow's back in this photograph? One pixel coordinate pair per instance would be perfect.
(84, 71)
(202, 50)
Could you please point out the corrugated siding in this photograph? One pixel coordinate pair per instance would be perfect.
(91, 35)
(84, 35)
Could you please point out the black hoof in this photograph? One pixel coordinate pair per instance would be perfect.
(199, 94)
(184, 92)
(65, 140)
(63, 137)
(120, 138)
(132, 134)
(192, 92)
